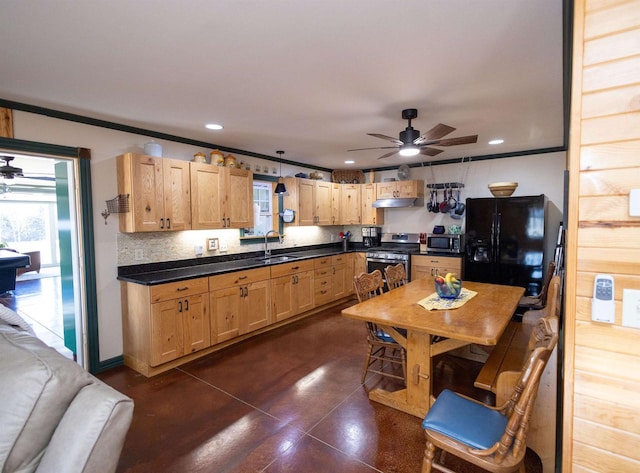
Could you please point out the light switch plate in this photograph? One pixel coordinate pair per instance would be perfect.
(212, 244)
(198, 250)
(631, 308)
(223, 245)
(634, 203)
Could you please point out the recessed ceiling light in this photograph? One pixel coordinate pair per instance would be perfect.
(213, 126)
(496, 142)
(349, 161)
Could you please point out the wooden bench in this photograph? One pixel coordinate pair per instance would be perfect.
(512, 347)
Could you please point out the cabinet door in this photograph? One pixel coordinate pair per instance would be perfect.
(322, 202)
(370, 214)
(197, 332)
(386, 190)
(207, 197)
(256, 307)
(340, 281)
(303, 292)
(177, 194)
(359, 264)
(281, 298)
(336, 197)
(147, 192)
(167, 336)
(350, 205)
(225, 313)
(408, 188)
(239, 198)
(421, 271)
(306, 204)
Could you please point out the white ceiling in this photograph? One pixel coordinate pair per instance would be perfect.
(310, 77)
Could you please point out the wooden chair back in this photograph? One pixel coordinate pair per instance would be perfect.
(508, 453)
(395, 275)
(368, 285)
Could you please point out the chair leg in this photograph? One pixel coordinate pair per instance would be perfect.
(429, 453)
(366, 363)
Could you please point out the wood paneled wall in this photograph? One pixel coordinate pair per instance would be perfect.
(601, 426)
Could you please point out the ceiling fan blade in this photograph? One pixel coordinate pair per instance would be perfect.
(430, 151)
(436, 132)
(383, 147)
(388, 138)
(388, 154)
(462, 140)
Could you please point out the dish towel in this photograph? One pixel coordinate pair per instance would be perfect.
(434, 302)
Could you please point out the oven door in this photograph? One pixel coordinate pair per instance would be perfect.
(381, 263)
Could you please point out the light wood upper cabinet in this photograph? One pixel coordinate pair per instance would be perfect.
(221, 197)
(350, 204)
(400, 189)
(159, 193)
(336, 198)
(370, 214)
(310, 199)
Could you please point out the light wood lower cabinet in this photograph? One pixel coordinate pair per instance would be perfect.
(241, 304)
(292, 289)
(166, 325)
(432, 266)
(165, 322)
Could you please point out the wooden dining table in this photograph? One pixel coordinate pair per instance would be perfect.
(480, 320)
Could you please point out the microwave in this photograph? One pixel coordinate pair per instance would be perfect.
(445, 243)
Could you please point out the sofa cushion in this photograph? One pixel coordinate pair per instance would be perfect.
(37, 385)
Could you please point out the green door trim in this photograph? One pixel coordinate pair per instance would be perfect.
(93, 365)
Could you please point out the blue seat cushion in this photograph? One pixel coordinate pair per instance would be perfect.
(465, 421)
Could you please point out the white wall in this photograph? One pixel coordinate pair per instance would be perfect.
(540, 174)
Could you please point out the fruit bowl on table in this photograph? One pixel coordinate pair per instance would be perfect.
(448, 287)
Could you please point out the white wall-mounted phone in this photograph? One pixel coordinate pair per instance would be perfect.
(603, 306)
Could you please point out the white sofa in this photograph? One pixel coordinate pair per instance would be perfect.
(54, 416)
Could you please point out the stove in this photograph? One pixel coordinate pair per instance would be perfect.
(394, 248)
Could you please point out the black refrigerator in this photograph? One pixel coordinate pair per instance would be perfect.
(505, 241)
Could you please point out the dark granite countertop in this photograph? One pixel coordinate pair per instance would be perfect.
(172, 271)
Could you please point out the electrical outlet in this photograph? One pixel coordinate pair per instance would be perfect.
(223, 245)
(199, 250)
(631, 308)
(138, 254)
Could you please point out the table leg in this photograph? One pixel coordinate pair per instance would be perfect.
(416, 398)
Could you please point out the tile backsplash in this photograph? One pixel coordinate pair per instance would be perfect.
(155, 247)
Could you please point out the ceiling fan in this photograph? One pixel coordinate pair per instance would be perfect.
(411, 143)
(8, 171)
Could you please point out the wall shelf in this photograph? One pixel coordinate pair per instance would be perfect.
(446, 185)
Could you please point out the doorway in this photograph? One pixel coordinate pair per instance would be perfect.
(39, 217)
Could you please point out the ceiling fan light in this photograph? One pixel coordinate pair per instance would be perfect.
(409, 151)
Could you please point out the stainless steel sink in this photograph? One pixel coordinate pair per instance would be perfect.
(276, 259)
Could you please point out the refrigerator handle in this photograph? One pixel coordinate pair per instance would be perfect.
(492, 239)
(498, 223)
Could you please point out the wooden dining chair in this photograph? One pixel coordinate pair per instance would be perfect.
(538, 302)
(381, 346)
(395, 275)
(492, 438)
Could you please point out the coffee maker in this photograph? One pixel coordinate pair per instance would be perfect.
(371, 236)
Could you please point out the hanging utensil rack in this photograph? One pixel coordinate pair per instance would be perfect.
(446, 185)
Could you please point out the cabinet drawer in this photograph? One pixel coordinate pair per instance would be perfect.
(438, 261)
(322, 272)
(340, 259)
(174, 290)
(324, 282)
(322, 262)
(291, 268)
(323, 295)
(239, 277)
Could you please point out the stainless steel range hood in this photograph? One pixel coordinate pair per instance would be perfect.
(399, 202)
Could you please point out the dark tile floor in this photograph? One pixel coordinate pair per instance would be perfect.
(286, 401)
